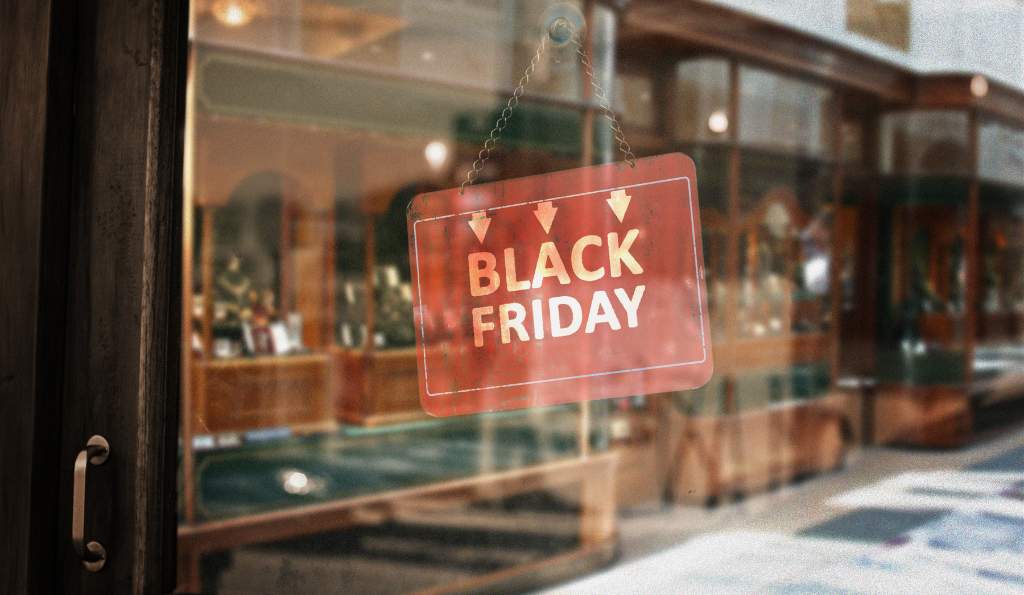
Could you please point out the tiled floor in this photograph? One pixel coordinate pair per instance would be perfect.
(893, 521)
(803, 507)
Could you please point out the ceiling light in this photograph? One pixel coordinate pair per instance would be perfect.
(233, 13)
(436, 154)
(718, 121)
(979, 86)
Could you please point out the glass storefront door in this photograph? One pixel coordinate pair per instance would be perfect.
(219, 203)
(838, 246)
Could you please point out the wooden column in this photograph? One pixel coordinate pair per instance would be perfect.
(973, 276)
(733, 282)
(330, 303)
(187, 290)
(597, 504)
(286, 286)
(371, 264)
(867, 246)
(835, 283)
(37, 47)
(206, 250)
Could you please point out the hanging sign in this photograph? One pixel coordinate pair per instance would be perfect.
(571, 286)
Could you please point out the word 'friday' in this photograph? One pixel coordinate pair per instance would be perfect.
(563, 315)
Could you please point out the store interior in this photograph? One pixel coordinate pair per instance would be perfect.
(863, 241)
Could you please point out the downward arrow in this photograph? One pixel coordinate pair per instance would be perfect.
(619, 202)
(546, 215)
(479, 224)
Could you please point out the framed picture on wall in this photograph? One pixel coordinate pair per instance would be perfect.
(885, 21)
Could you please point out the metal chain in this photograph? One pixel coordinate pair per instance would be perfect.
(506, 114)
(602, 100)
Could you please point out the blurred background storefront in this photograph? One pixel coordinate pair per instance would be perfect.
(861, 175)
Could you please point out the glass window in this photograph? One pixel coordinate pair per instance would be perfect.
(923, 267)
(925, 142)
(922, 280)
(838, 257)
(784, 113)
(785, 246)
(701, 111)
(1000, 302)
(1001, 153)
(634, 99)
(312, 126)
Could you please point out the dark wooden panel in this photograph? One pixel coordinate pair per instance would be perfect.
(34, 114)
(689, 24)
(122, 364)
(24, 31)
(953, 91)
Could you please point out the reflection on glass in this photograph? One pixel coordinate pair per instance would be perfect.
(998, 357)
(313, 125)
(786, 245)
(768, 252)
(785, 269)
(1001, 153)
(923, 284)
(785, 113)
(702, 100)
(924, 142)
(307, 464)
(634, 99)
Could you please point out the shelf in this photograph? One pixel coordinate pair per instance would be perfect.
(375, 387)
(243, 394)
(299, 359)
(775, 352)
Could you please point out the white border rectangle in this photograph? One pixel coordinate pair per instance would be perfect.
(697, 268)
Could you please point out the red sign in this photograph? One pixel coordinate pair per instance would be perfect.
(571, 286)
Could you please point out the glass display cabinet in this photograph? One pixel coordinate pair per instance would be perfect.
(767, 176)
(949, 267)
(260, 331)
(998, 356)
(782, 415)
(301, 415)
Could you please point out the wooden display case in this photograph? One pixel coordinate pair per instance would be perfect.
(999, 354)
(376, 387)
(922, 396)
(743, 437)
(238, 395)
(774, 412)
(934, 416)
(948, 338)
(638, 435)
(736, 454)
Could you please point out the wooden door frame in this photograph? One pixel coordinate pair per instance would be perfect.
(91, 135)
(34, 102)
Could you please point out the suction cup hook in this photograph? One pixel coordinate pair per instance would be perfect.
(562, 21)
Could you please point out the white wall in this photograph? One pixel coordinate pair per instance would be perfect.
(971, 36)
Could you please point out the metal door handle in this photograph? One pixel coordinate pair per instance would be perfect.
(93, 554)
